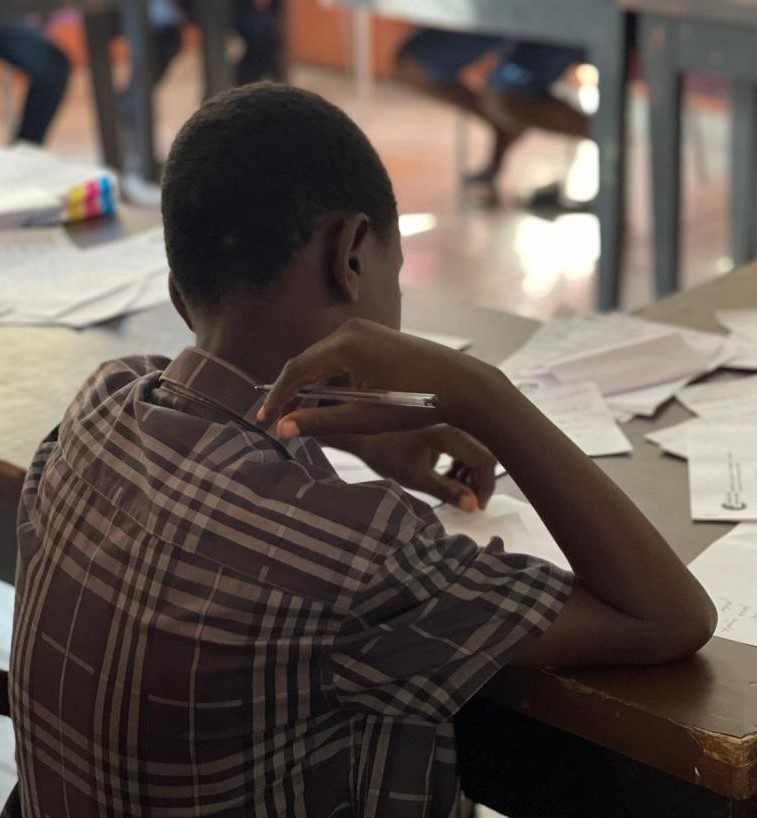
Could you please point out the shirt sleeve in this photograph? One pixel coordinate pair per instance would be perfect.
(436, 620)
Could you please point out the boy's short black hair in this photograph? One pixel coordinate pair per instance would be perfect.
(247, 177)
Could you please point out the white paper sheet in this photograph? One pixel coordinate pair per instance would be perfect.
(515, 521)
(352, 469)
(741, 345)
(742, 323)
(451, 341)
(33, 244)
(728, 572)
(7, 741)
(580, 411)
(722, 472)
(740, 354)
(648, 362)
(722, 400)
(81, 287)
(673, 439)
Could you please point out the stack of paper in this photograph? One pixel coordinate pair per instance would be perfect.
(38, 188)
(48, 280)
(638, 365)
(742, 342)
(728, 572)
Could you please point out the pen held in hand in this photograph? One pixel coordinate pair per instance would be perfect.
(417, 400)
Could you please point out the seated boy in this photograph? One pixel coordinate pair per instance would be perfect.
(209, 622)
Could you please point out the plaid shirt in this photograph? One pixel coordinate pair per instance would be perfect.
(210, 622)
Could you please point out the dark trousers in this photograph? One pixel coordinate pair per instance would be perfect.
(27, 48)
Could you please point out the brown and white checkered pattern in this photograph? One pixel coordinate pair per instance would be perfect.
(210, 622)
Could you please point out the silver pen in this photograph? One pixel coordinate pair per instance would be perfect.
(418, 400)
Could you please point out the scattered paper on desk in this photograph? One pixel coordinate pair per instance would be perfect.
(520, 527)
(563, 338)
(639, 364)
(76, 287)
(451, 341)
(728, 572)
(722, 472)
(580, 412)
(37, 187)
(646, 401)
(566, 338)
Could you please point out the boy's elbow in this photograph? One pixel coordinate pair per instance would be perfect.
(692, 633)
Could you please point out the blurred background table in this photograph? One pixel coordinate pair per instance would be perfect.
(213, 17)
(681, 36)
(599, 26)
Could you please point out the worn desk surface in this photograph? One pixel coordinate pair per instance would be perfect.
(695, 719)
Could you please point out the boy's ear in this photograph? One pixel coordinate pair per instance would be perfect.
(178, 301)
(350, 256)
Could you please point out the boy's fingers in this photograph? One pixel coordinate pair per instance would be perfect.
(348, 418)
(451, 491)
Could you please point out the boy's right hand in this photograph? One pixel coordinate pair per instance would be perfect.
(366, 355)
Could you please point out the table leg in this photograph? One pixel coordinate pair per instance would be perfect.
(609, 129)
(743, 171)
(665, 145)
(136, 27)
(362, 60)
(98, 31)
(214, 18)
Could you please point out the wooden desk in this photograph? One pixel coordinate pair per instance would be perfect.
(682, 738)
(677, 36)
(600, 27)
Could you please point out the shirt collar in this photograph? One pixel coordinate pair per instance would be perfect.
(221, 385)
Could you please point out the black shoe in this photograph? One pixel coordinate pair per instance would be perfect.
(551, 200)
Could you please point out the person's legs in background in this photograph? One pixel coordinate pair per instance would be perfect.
(258, 25)
(26, 47)
(518, 96)
(431, 61)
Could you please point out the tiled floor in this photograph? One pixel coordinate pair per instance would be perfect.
(507, 259)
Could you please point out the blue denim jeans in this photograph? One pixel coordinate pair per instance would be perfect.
(26, 47)
(523, 68)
